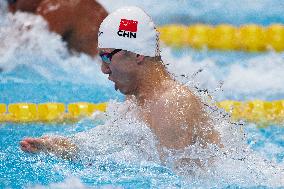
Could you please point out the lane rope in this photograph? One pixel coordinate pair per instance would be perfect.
(48, 112)
(257, 111)
(250, 37)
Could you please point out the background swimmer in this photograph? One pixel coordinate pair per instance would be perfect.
(76, 21)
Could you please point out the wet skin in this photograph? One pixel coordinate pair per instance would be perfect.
(57, 145)
(32, 145)
(173, 113)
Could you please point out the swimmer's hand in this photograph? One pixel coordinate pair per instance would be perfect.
(57, 145)
(32, 145)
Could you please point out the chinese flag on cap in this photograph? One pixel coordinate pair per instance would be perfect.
(128, 25)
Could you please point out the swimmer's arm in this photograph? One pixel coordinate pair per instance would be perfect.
(58, 146)
(61, 147)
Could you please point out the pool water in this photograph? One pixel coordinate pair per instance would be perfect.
(19, 169)
(38, 68)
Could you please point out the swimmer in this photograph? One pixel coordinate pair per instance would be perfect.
(76, 21)
(128, 44)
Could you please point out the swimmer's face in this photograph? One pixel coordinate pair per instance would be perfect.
(122, 70)
(24, 5)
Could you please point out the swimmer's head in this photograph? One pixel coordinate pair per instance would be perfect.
(127, 41)
(130, 29)
(128, 70)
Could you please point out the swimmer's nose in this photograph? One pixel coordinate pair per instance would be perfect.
(105, 68)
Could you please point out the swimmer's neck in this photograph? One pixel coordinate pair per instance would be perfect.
(151, 83)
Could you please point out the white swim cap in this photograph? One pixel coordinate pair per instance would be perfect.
(131, 29)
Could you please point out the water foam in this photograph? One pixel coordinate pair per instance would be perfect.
(124, 139)
(71, 183)
(28, 43)
(244, 79)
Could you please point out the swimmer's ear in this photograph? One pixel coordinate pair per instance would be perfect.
(140, 58)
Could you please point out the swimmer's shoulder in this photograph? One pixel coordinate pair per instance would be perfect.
(177, 92)
(179, 101)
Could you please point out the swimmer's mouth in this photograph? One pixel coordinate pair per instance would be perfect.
(109, 78)
(115, 86)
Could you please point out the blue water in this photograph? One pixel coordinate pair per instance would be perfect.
(35, 77)
(18, 169)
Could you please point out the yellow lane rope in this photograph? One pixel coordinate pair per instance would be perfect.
(48, 112)
(249, 37)
(257, 111)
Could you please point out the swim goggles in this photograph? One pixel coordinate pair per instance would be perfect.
(106, 57)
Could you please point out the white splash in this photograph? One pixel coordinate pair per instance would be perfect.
(71, 183)
(26, 41)
(123, 137)
(257, 77)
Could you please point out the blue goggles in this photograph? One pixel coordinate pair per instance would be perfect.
(106, 57)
